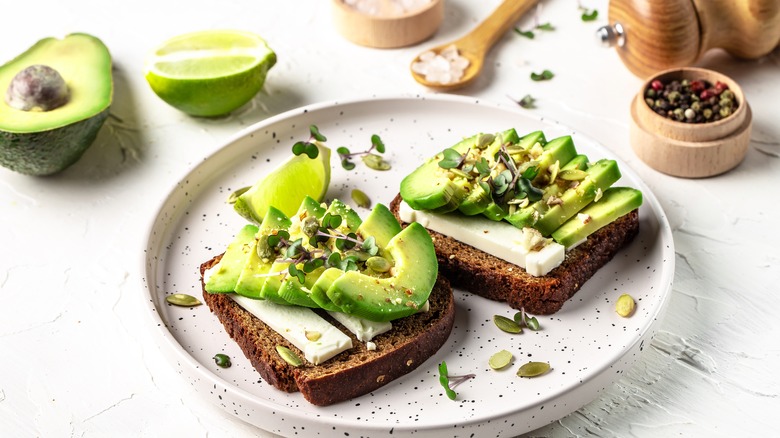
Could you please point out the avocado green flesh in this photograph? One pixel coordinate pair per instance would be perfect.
(478, 199)
(386, 299)
(560, 149)
(580, 162)
(254, 272)
(319, 291)
(381, 224)
(225, 274)
(615, 202)
(599, 177)
(85, 64)
(429, 188)
(298, 294)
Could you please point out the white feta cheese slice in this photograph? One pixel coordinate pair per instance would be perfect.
(363, 329)
(293, 322)
(500, 239)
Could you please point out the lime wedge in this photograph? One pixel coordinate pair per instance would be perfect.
(209, 73)
(287, 185)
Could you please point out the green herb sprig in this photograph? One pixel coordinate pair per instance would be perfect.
(508, 187)
(527, 101)
(308, 147)
(587, 14)
(538, 26)
(296, 253)
(371, 159)
(449, 382)
(545, 75)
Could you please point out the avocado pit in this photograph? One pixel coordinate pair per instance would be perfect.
(37, 88)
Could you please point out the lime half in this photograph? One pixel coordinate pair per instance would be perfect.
(209, 73)
(287, 185)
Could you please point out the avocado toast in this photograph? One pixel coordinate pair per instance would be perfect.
(520, 219)
(351, 303)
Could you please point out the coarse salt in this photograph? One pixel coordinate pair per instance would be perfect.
(386, 8)
(446, 67)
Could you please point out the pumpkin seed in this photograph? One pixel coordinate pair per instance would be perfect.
(236, 193)
(533, 369)
(625, 305)
(572, 174)
(500, 360)
(289, 356)
(378, 264)
(361, 199)
(222, 360)
(376, 162)
(484, 141)
(183, 300)
(507, 324)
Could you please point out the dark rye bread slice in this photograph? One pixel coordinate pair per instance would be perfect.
(351, 373)
(480, 273)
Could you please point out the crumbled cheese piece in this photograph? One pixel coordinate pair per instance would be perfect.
(584, 218)
(532, 240)
(370, 346)
(599, 194)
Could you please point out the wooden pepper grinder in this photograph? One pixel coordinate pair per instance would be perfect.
(653, 35)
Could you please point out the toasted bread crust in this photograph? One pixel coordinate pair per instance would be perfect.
(351, 373)
(488, 276)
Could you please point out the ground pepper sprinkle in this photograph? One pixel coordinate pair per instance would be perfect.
(691, 101)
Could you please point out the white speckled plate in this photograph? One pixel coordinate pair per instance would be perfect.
(588, 345)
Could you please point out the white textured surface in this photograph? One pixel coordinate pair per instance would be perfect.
(77, 359)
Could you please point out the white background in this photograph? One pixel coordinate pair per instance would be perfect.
(78, 360)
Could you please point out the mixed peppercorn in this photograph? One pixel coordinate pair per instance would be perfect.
(691, 101)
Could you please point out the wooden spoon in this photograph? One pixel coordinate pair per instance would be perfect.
(476, 44)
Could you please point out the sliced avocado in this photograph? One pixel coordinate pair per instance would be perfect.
(319, 290)
(402, 293)
(477, 198)
(256, 268)
(381, 224)
(559, 150)
(295, 293)
(614, 203)
(580, 162)
(36, 141)
(274, 285)
(599, 177)
(224, 275)
(430, 187)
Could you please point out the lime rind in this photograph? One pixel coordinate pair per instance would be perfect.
(209, 73)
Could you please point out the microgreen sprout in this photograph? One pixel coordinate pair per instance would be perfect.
(545, 75)
(587, 14)
(537, 25)
(371, 159)
(316, 255)
(524, 319)
(308, 147)
(449, 382)
(507, 186)
(527, 101)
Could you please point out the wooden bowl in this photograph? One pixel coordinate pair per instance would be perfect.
(388, 31)
(690, 150)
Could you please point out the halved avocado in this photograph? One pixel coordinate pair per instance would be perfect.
(38, 142)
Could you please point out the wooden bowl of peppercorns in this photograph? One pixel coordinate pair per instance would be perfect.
(690, 122)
